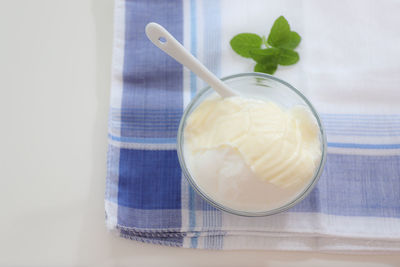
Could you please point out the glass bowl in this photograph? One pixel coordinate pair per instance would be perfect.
(258, 86)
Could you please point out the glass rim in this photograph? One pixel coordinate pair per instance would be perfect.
(219, 206)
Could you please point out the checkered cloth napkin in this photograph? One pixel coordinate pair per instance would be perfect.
(349, 68)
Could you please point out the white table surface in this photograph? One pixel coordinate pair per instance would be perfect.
(55, 59)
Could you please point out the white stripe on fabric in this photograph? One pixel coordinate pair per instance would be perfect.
(200, 40)
(118, 55)
(211, 45)
(112, 214)
(186, 44)
(191, 208)
(363, 152)
(111, 209)
(316, 223)
(143, 146)
(186, 99)
(185, 208)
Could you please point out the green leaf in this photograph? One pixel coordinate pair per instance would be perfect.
(288, 57)
(278, 48)
(293, 42)
(266, 68)
(269, 55)
(280, 33)
(244, 42)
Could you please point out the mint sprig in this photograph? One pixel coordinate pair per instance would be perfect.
(278, 48)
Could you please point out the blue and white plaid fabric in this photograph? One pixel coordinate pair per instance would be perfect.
(349, 68)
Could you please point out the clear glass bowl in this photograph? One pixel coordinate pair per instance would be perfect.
(259, 86)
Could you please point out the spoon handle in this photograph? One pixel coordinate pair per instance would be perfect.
(160, 37)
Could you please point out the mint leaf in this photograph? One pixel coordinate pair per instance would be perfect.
(266, 68)
(280, 33)
(293, 42)
(269, 55)
(244, 42)
(288, 57)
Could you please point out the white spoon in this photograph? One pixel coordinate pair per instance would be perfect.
(159, 36)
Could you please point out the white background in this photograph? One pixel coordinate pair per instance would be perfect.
(55, 59)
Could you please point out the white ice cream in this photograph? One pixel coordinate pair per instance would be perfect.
(251, 155)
